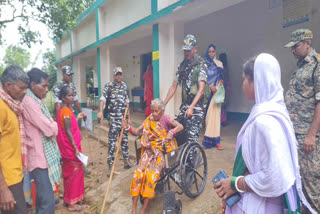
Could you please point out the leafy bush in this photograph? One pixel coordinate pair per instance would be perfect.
(49, 102)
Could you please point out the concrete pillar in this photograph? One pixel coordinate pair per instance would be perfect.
(105, 66)
(79, 67)
(170, 55)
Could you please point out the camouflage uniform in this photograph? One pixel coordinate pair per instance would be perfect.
(301, 100)
(56, 90)
(118, 96)
(59, 86)
(189, 74)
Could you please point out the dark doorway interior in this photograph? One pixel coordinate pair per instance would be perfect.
(145, 60)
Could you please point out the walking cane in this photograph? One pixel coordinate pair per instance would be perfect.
(114, 163)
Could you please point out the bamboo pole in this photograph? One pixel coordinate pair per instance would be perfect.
(114, 164)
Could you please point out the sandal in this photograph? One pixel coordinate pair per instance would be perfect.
(75, 208)
(219, 147)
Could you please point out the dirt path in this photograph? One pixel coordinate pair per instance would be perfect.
(119, 200)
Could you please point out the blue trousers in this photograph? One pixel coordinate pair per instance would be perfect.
(45, 203)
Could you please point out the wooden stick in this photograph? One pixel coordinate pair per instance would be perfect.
(114, 163)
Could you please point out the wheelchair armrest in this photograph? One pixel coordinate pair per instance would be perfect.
(137, 140)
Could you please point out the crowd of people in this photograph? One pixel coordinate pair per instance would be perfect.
(276, 167)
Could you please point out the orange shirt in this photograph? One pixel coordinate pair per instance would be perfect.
(10, 146)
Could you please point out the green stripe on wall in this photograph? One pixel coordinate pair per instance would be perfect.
(155, 46)
(154, 6)
(237, 116)
(97, 24)
(70, 41)
(99, 71)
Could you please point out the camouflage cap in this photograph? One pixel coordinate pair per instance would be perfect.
(299, 35)
(189, 42)
(117, 70)
(67, 70)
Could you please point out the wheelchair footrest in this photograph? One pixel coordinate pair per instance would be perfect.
(169, 202)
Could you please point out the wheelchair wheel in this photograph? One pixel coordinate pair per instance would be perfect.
(178, 207)
(193, 170)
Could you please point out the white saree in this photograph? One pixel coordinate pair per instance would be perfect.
(269, 146)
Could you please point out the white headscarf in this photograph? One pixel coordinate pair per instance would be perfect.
(269, 146)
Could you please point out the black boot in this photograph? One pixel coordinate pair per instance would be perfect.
(109, 170)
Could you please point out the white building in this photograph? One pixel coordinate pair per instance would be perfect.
(126, 32)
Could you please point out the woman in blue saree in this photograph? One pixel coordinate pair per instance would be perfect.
(213, 115)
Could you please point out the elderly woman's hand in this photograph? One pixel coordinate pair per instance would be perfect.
(223, 188)
(124, 124)
(169, 136)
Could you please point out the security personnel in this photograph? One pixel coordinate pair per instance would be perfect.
(192, 76)
(66, 80)
(302, 100)
(115, 96)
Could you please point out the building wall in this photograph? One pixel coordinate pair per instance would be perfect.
(165, 3)
(64, 46)
(243, 31)
(85, 33)
(120, 14)
(128, 58)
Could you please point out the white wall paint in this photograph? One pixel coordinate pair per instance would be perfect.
(165, 3)
(123, 56)
(64, 46)
(85, 33)
(243, 31)
(120, 14)
(170, 55)
(105, 66)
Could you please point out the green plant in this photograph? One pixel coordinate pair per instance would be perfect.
(49, 102)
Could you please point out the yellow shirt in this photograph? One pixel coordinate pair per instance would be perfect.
(10, 146)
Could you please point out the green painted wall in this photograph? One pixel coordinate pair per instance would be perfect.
(155, 46)
(99, 71)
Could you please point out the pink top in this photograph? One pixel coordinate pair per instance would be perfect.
(35, 123)
(165, 122)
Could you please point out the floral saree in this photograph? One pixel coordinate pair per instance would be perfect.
(152, 160)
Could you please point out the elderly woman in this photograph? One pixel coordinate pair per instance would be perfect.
(266, 170)
(157, 129)
(69, 142)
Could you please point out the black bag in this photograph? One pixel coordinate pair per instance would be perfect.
(181, 136)
(106, 110)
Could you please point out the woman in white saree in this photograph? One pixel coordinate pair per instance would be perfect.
(266, 170)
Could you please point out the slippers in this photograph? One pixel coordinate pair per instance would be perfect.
(75, 208)
(219, 147)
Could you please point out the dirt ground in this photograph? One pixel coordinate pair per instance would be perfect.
(119, 200)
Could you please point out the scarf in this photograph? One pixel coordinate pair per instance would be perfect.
(215, 67)
(275, 177)
(50, 146)
(17, 108)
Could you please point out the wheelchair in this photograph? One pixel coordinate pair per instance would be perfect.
(186, 167)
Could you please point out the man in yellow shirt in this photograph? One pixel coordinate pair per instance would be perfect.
(12, 148)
